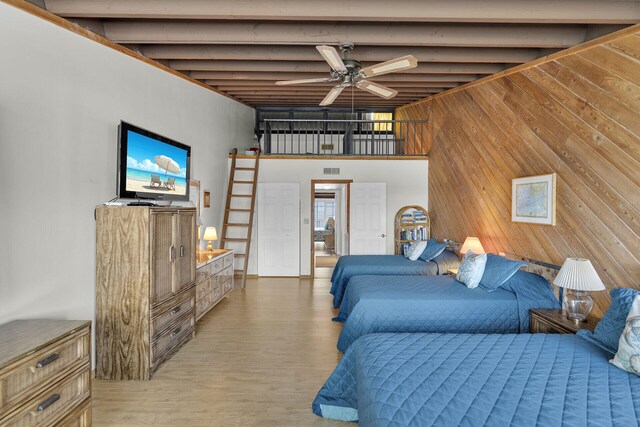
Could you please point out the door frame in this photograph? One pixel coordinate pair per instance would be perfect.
(313, 212)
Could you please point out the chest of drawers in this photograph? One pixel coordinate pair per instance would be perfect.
(45, 373)
(214, 279)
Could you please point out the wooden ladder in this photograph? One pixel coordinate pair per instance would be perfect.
(228, 209)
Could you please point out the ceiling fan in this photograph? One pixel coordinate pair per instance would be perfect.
(347, 71)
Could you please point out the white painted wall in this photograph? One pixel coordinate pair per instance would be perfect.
(61, 99)
(407, 184)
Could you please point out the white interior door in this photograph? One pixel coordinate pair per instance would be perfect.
(368, 219)
(278, 229)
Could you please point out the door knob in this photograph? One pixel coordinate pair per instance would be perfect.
(383, 236)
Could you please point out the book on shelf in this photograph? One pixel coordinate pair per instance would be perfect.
(419, 216)
(407, 217)
(418, 233)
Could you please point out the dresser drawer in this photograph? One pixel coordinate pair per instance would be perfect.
(41, 368)
(161, 321)
(227, 272)
(203, 289)
(79, 417)
(216, 266)
(202, 274)
(171, 338)
(227, 260)
(227, 285)
(49, 406)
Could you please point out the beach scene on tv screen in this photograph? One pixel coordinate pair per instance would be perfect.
(155, 167)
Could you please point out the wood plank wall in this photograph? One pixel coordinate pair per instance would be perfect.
(575, 113)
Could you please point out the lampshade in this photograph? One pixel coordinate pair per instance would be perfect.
(472, 244)
(578, 274)
(210, 234)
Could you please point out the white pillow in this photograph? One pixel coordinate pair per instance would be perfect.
(628, 355)
(471, 269)
(416, 249)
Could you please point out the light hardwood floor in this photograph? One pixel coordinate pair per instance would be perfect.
(258, 359)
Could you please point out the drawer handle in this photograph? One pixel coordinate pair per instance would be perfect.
(176, 310)
(176, 332)
(47, 360)
(181, 251)
(50, 401)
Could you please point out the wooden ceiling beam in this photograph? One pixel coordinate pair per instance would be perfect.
(269, 89)
(321, 66)
(271, 83)
(295, 33)
(531, 11)
(363, 53)
(229, 75)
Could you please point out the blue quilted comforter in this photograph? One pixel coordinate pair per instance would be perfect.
(479, 380)
(439, 304)
(388, 265)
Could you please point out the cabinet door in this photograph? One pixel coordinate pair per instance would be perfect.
(163, 254)
(186, 262)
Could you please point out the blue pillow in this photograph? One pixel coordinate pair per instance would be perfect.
(432, 250)
(498, 270)
(610, 327)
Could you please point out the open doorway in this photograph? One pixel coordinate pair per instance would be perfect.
(329, 224)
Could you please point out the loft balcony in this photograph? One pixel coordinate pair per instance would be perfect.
(343, 138)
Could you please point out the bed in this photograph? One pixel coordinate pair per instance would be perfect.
(397, 265)
(406, 379)
(439, 304)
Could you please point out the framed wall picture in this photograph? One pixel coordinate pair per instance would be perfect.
(533, 199)
(207, 199)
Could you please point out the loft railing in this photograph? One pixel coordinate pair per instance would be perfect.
(344, 137)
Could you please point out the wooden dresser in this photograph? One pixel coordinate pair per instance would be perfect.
(45, 373)
(214, 279)
(145, 288)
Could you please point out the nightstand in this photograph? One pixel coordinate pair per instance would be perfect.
(545, 321)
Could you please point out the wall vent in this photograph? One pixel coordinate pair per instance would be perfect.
(331, 171)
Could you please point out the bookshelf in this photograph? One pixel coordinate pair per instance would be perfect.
(412, 223)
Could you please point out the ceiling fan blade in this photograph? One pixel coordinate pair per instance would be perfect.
(331, 96)
(399, 64)
(377, 89)
(302, 81)
(331, 55)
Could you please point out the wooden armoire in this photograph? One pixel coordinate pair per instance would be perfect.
(145, 288)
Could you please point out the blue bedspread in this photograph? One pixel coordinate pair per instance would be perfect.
(479, 380)
(397, 265)
(439, 304)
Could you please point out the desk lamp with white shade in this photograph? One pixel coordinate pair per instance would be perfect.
(577, 276)
(472, 244)
(210, 234)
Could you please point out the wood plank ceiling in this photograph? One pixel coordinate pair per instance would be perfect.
(242, 47)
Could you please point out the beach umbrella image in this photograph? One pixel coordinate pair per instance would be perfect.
(168, 164)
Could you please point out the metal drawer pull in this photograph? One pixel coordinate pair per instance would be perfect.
(50, 401)
(176, 332)
(181, 251)
(47, 360)
(176, 310)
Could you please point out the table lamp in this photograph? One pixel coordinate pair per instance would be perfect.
(210, 234)
(472, 244)
(578, 276)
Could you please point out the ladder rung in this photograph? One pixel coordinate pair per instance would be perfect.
(245, 169)
(240, 195)
(239, 255)
(235, 239)
(243, 182)
(236, 224)
(239, 210)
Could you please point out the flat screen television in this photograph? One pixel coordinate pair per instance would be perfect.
(151, 166)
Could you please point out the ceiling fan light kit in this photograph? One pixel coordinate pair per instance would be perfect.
(347, 72)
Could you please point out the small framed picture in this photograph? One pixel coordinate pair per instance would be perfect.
(206, 199)
(533, 199)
